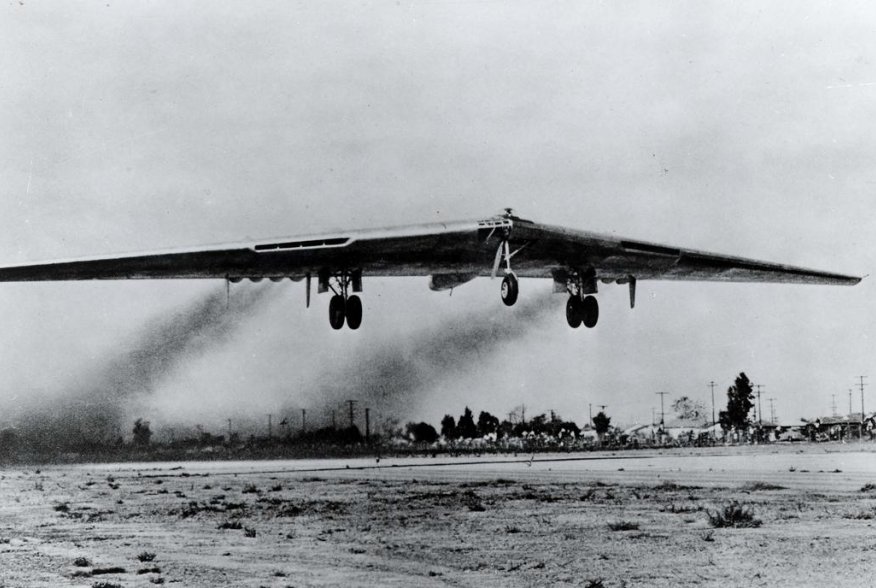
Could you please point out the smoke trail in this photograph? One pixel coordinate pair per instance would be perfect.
(392, 378)
(92, 408)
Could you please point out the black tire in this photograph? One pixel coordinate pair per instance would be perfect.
(354, 312)
(589, 312)
(337, 312)
(510, 290)
(573, 312)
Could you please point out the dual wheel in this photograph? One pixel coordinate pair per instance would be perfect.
(349, 310)
(580, 311)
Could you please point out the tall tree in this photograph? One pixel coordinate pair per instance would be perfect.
(421, 432)
(466, 425)
(448, 428)
(487, 424)
(142, 432)
(740, 400)
(601, 423)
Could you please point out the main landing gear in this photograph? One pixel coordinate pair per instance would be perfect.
(580, 311)
(349, 310)
(582, 307)
(343, 307)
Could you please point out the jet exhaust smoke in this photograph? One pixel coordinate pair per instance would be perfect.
(393, 378)
(92, 409)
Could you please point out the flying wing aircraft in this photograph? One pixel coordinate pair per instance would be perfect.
(450, 253)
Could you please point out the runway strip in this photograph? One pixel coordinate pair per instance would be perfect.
(819, 471)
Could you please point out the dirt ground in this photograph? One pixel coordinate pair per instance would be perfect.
(581, 520)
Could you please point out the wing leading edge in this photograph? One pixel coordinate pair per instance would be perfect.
(616, 258)
(451, 253)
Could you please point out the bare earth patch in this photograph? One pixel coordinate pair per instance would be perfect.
(457, 525)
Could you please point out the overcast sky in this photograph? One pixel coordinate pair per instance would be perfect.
(741, 128)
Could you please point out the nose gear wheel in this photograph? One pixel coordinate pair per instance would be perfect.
(510, 289)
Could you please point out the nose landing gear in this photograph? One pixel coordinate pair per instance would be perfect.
(510, 285)
(510, 289)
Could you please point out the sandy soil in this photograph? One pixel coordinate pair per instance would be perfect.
(585, 520)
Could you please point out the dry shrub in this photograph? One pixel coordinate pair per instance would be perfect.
(624, 526)
(110, 570)
(733, 515)
(230, 525)
(756, 486)
(149, 570)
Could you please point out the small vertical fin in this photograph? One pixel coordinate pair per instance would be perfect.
(307, 290)
(632, 292)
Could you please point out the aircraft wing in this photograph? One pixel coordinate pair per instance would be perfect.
(615, 258)
(460, 251)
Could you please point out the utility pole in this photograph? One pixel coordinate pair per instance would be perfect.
(712, 386)
(590, 404)
(367, 425)
(772, 411)
(352, 404)
(759, 409)
(861, 383)
(662, 422)
(303, 420)
(850, 413)
(270, 429)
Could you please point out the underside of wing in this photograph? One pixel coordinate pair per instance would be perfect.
(421, 250)
(612, 258)
(452, 253)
